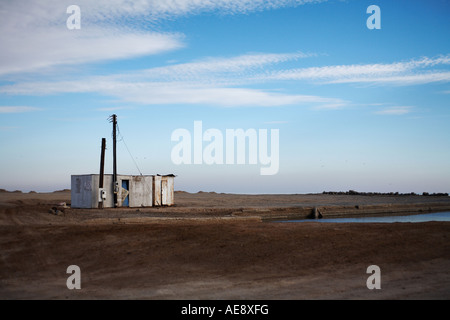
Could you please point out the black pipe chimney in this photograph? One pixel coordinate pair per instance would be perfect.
(102, 169)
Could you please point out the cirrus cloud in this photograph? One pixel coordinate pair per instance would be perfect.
(415, 71)
(34, 35)
(17, 109)
(396, 110)
(211, 81)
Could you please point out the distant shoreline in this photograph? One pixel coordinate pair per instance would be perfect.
(354, 193)
(350, 192)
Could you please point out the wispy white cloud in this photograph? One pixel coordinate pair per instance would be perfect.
(410, 79)
(163, 9)
(401, 73)
(34, 35)
(17, 109)
(213, 82)
(220, 67)
(176, 93)
(224, 81)
(152, 93)
(333, 73)
(208, 72)
(46, 47)
(395, 110)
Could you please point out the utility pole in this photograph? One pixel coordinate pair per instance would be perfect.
(113, 119)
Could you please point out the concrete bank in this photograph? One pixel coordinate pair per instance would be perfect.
(334, 211)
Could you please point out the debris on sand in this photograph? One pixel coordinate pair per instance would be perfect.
(58, 210)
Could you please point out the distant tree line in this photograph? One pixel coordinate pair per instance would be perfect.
(353, 192)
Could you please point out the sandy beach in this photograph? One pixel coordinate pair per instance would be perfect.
(222, 246)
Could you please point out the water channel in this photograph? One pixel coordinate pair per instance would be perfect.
(437, 216)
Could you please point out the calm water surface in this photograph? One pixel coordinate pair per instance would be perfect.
(439, 216)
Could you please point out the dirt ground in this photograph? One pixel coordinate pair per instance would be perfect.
(221, 246)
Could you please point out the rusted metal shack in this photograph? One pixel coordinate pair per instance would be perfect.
(129, 191)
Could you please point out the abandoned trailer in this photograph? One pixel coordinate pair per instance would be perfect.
(114, 190)
(131, 191)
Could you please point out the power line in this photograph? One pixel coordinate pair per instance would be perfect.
(129, 152)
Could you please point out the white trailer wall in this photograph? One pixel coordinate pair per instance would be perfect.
(141, 191)
(156, 191)
(144, 191)
(167, 194)
(85, 193)
(81, 191)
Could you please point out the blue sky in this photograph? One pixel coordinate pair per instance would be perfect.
(356, 108)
